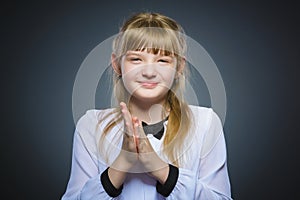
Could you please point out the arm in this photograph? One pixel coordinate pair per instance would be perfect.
(212, 181)
(84, 182)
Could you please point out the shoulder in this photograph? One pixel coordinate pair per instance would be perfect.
(204, 114)
(206, 120)
(211, 125)
(200, 110)
(91, 118)
(88, 130)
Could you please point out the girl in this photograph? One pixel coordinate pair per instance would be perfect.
(152, 145)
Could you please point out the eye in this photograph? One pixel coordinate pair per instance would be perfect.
(135, 59)
(163, 61)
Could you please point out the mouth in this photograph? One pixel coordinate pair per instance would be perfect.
(147, 84)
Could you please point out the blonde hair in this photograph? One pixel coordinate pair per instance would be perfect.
(154, 33)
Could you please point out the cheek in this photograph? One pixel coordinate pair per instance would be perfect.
(125, 68)
(168, 75)
(128, 76)
(127, 82)
(129, 72)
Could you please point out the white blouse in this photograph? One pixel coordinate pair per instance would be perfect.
(203, 175)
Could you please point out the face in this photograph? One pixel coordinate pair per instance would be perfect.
(148, 77)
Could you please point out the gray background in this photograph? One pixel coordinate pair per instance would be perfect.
(255, 46)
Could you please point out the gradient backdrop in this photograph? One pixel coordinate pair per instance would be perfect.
(254, 45)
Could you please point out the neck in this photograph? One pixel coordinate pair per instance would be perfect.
(148, 112)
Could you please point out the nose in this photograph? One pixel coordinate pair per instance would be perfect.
(149, 71)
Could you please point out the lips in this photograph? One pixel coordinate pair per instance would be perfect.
(147, 84)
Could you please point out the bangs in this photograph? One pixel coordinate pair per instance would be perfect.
(153, 40)
(156, 51)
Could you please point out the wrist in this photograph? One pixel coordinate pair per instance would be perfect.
(167, 187)
(161, 174)
(116, 177)
(112, 189)
(122, 164)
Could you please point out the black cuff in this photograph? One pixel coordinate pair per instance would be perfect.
(108, 186)
(170, 183)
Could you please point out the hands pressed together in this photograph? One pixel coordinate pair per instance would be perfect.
(136, 152)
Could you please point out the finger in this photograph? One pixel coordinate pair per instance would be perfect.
(135, 136)
(137, 126)
(125, 112)
(141, 132)
(133, 121)
(128, 130)
(127, 119)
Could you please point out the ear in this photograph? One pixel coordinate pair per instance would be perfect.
(115, 64)
(181, 66)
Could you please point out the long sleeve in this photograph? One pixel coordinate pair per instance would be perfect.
(212, 181)
(203, 175)
(84, 182)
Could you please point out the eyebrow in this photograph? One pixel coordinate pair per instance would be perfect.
(133, 53)
(140, 53)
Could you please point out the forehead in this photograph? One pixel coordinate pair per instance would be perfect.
(155, 51)
(152, 40)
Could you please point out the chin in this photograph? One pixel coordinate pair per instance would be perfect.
(150, 98)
